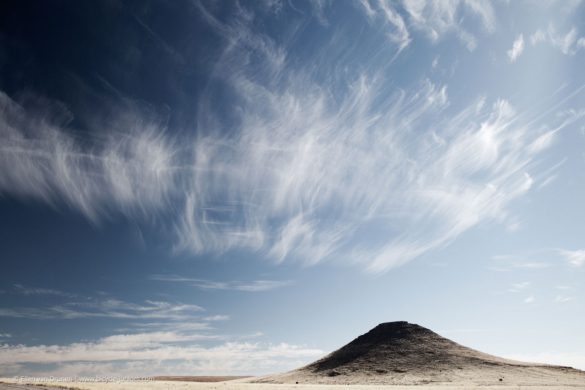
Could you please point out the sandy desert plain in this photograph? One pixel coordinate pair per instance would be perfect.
(393, 355)
(159, 385)
(13, 384)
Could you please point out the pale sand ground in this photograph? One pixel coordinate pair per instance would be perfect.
(236, 385)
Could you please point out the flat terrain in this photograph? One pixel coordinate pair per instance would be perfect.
(13, 386)
(175, 385)
(198, 378)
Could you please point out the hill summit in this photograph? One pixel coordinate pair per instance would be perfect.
(405, 353)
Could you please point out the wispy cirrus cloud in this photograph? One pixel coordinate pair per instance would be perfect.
(433, 18)
(568, 43)
(218, 317)
(347, 168)
(107, 308)
(564, 298)
(27, 290)
(249, 286)
(437, 18)
(575, 258)
(543, 258)
(127, 170)
(534, 261)
(517, 48)
(518, 287)
(385, 10)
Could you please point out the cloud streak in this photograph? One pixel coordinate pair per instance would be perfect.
(534, 260)
(575, 258)
(296, 166)
(251, 286)
(434, 19)
(568, 43)
(108, 308)
(400, 34)
(27, 291)
(438, 18)
(517, 48)
(127, 170)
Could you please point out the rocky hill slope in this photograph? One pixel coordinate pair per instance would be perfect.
(404, 353)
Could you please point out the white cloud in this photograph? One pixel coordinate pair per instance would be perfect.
(565, 7)
(433, 18)
(352, 171)
(576, 258)
(301, 151)
(543, 258)
(137, 354)
(570, 359)
(532, 265)
(367, 8)
(250, 286)
(125, 171)
(239, 34)
(538, 37)
(435, 62)
(518, 287)
(385, 189)
(108, 308)
(318, 8)
(532, 261)
(26, 290)
(400, 35)
(219, 317)
(517, 48)
(529, 299)
(563, 299)
(385, 11)
(568, 43)
(160, 338)
(484, 10)
(437, 18)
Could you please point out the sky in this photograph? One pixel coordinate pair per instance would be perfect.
(234, 187)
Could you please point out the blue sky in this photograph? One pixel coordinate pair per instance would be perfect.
(239, 188)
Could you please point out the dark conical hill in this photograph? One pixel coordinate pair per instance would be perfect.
(405, 353)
